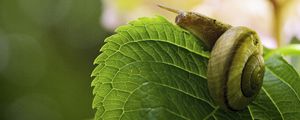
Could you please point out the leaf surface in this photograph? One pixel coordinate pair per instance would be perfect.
(152, 69)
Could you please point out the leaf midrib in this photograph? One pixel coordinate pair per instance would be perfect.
(281, 115)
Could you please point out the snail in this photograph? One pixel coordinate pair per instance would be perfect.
(236, 67)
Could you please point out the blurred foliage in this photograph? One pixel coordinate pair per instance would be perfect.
(47, 49)
(295, 60)
(295, 40)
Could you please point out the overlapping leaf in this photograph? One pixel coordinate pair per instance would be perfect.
(152, 69)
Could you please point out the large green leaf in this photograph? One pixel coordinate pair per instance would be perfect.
(152, 69)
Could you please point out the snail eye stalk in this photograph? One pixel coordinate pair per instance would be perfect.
(170, 9)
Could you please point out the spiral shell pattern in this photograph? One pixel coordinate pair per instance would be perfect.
(236, 68)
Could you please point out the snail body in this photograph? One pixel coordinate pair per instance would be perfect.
(236, 67)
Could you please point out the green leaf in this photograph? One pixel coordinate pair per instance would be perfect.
(292, 49)
(152, 69)
(279, 98)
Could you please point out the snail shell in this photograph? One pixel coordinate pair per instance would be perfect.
(236, 68)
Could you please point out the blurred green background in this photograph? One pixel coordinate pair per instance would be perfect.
(47, 48)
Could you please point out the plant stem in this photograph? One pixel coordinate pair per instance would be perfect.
(277, 22)
(278, 8)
